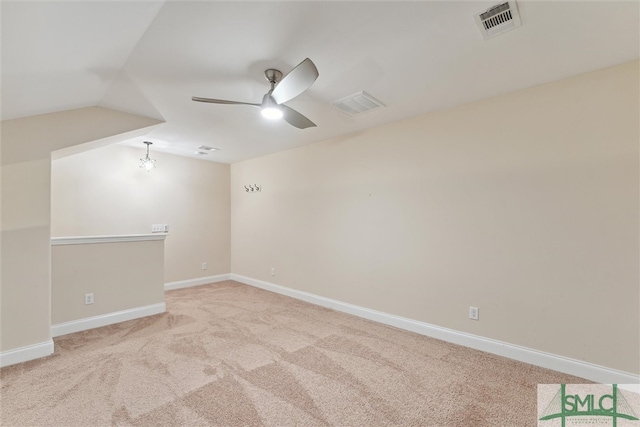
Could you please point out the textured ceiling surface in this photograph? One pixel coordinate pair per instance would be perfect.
(150, 58)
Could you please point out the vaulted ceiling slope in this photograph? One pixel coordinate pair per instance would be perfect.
(150, 58)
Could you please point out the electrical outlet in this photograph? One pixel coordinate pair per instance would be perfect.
(273, 271)
(157, 228)
(204, 265)
(474, 313)
(88, 299)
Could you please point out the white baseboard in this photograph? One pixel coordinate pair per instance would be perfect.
(196, 282)
(563, 364)
(24, 354)
(106, 319)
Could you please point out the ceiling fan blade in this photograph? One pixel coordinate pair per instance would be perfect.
(297, 81)
(296, 119)
(221, 101)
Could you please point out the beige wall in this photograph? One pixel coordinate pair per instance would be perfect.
(132, 278)
(104, 192)
(25, 227)
(525, 205)
(24, 314)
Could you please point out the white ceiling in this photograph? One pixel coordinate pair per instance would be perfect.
(150, 58)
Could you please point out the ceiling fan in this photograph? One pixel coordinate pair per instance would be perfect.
(283, 89)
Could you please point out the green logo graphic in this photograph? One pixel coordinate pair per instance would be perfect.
(612, 405)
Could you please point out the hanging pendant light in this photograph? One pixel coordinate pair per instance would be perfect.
(148, 163)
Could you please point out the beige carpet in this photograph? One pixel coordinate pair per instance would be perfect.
(232, 355)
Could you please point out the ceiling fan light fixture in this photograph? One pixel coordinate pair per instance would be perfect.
(272, 113)
(270, 109)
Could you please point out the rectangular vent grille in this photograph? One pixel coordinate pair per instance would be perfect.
(498, 19)
(357, 103)
(207, 148)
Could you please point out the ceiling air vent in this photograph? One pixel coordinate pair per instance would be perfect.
(498, 19)
(207, 148)
(357, 103)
